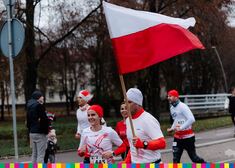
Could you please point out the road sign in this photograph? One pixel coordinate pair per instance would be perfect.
(18, 36)
(11, 4)
(11, 41)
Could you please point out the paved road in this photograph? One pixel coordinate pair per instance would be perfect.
(216, 145)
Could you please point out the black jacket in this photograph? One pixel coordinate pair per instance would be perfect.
(37, 121)
(231, 104)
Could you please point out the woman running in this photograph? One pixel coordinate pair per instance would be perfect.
(121, 128)
(97, 140)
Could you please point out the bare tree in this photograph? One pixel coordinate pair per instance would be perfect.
(33, 58)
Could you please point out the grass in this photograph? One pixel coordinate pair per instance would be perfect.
(66, 128)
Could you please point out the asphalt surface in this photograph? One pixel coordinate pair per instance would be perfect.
(216, 145)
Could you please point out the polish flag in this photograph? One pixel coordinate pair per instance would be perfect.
(141, 39)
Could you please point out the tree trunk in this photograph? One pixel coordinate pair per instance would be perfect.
(154, 91)
(154, 77)
(31, 64)
(3, 100)
(65, 83)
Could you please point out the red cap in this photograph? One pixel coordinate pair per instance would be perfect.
(173, 93)
(98, 109)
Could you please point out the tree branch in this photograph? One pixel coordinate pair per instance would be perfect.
(66, 35)
(185, 12)
(39, 30)
(160, 8)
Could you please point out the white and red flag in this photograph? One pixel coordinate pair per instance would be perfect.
(141, 39)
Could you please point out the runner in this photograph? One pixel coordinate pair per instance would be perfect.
(97, 140)
(144, 148)
(184, 137)
(83, 98)
(121, 128)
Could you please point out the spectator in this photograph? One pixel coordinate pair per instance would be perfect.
(51, 140)
(38, 125)
(230, 105)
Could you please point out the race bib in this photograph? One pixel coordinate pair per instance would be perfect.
(180, 122)
(97, 159)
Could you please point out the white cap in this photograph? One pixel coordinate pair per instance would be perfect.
(85, 95)
(135, 95)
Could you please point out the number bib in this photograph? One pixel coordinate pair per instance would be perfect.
(180, 122)
(97, 159)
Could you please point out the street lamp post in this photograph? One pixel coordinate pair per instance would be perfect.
(222, 67)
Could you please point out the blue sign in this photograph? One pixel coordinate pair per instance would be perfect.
(18, 36)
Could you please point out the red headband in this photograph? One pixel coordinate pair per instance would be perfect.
(98, 109)
(173, 93)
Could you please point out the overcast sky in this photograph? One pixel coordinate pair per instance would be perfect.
(45, 18)
(51, 18)
(231, 17)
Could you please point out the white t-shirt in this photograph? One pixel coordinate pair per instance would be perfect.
(100, 141)
(146, 128)
(183, 117)
(82, 118)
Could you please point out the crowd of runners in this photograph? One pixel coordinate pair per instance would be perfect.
(144, 142)
(137, 138)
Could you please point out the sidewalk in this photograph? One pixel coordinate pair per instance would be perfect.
(217, 145)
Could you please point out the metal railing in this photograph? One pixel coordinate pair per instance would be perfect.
(205, 101)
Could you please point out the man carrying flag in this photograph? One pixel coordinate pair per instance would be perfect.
(144, 39)
(144, 147)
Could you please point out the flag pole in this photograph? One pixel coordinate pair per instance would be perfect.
(127, 104)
